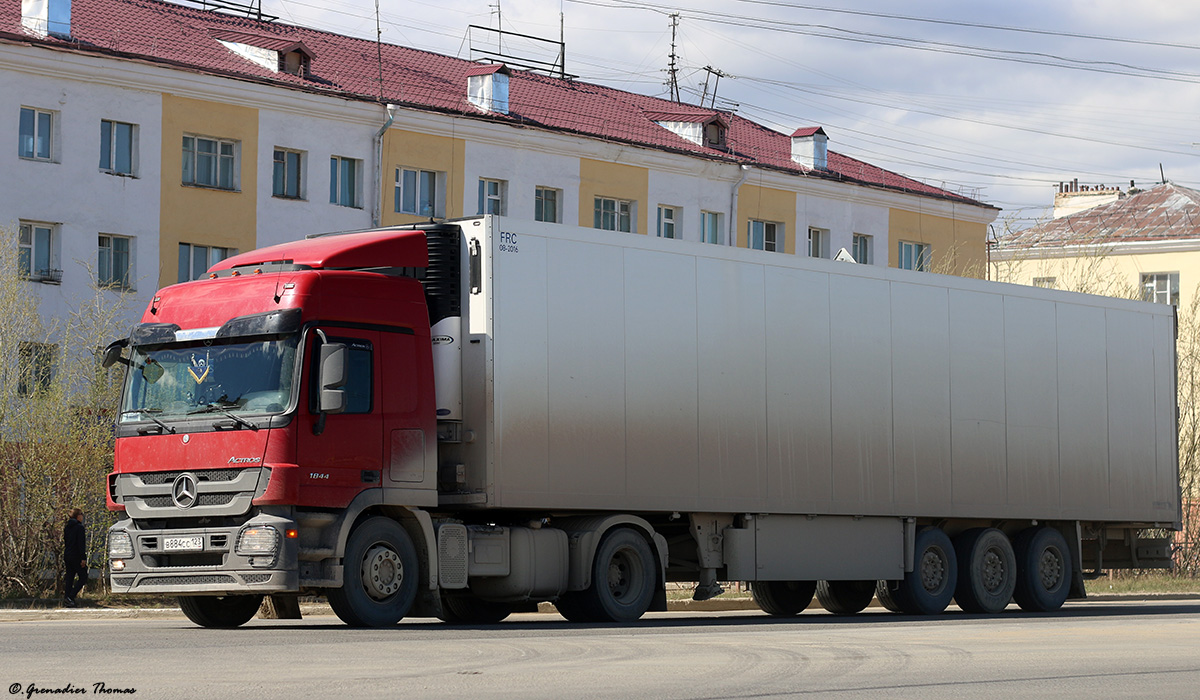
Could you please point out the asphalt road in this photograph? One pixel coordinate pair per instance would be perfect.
(1089, 650)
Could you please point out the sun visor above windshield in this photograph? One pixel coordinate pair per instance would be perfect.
(347, 251)
(274, 322)
(153, 333)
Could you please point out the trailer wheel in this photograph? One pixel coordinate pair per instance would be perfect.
(380, 575)
(1043, 569)
(886, 596)
(472, 610)
(929, 587)
(783, 598)
(987, 571)
(225, 611)
(845, 597)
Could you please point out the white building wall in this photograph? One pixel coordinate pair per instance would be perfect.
(73, 192)
(709, 187)
(524, 170)
(319, 137)
(843, 218)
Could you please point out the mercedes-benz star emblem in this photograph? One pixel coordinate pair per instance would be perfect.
(183, 491)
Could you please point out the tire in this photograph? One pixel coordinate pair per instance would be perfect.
(783, 598)
(1043, 569)
(886, 596)
(380, 575)
(929, 587)
(220, 612)
(987, 571)
(623, 581)
(471, 610)
(845, 597)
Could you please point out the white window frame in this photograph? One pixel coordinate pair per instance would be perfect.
(764, 235)
(30, 381)
(612, 214)
(418, 180)
(338, 184)
(818, 242)
(37, 255)
(300, 161)
(1160, 287)
(107, 255)
(914, 256)
(223, 170)
(669, 221)
(109, 157)
(862, 249)
(212, 256)
(541, 202)
(39, 132)
(493, 196)
(712, 227)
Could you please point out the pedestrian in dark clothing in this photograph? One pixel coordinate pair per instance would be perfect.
(74, 556)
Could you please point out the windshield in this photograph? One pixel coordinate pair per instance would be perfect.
(173, 381)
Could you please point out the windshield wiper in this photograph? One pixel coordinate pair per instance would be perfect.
(146, 412)
(219, 408)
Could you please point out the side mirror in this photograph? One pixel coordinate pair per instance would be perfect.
(112, 353)
(333, 375)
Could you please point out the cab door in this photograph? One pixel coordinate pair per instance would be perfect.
(342, 454)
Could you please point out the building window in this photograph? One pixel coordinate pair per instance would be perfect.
(613, 214)
(1161, 288)
(491, 196)
(714, 134)
(112, 268)
(36, 134)
(210, 162)
(764, 235)
(710, 227)
(36, 254)
(343, 181)
(116, 147)
(914, 256)
(668, 222)
(35, 367)
(862, 249)
(818, 243)
(417, 192)
(194, 260)
(1046, 282)
(286, 174)
(545, 205)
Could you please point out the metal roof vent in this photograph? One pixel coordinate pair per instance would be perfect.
(487, 87)
(810, 147)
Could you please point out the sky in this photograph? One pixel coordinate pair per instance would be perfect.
(999, 101)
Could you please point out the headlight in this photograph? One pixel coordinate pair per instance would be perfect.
(120, 546)
(257, 540)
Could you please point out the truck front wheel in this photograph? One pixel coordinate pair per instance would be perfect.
(380, 573)
(224, 611)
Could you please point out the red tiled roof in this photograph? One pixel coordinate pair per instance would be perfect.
(808, 131)
(272, 43)
(181, 36)
(689, 117)
(1162, 213)
(488, 70)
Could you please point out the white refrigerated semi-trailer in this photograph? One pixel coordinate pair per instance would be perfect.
(786, 421)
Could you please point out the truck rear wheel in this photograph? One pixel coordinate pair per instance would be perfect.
(929, 587)
(845, 597)
(886, 595)
(987, 571)
(224, 611)
(1043, 569)
(380, 573)
(472, 610)
(623, 581)
(783, 598)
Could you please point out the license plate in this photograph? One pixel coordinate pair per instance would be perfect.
(183, 544)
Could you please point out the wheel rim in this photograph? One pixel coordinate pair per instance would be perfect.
(1050, 569)
(994, 571)
(933, 570)
(382, 572)
(624, 573)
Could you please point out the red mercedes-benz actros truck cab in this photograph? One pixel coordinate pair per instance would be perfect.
(464, 419)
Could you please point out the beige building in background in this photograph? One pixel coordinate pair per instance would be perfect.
(1137, 243)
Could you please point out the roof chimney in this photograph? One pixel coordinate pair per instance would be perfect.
(810, 147)
(487, 88)
(47, 17)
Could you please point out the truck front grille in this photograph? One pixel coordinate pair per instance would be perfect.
(219, 492)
